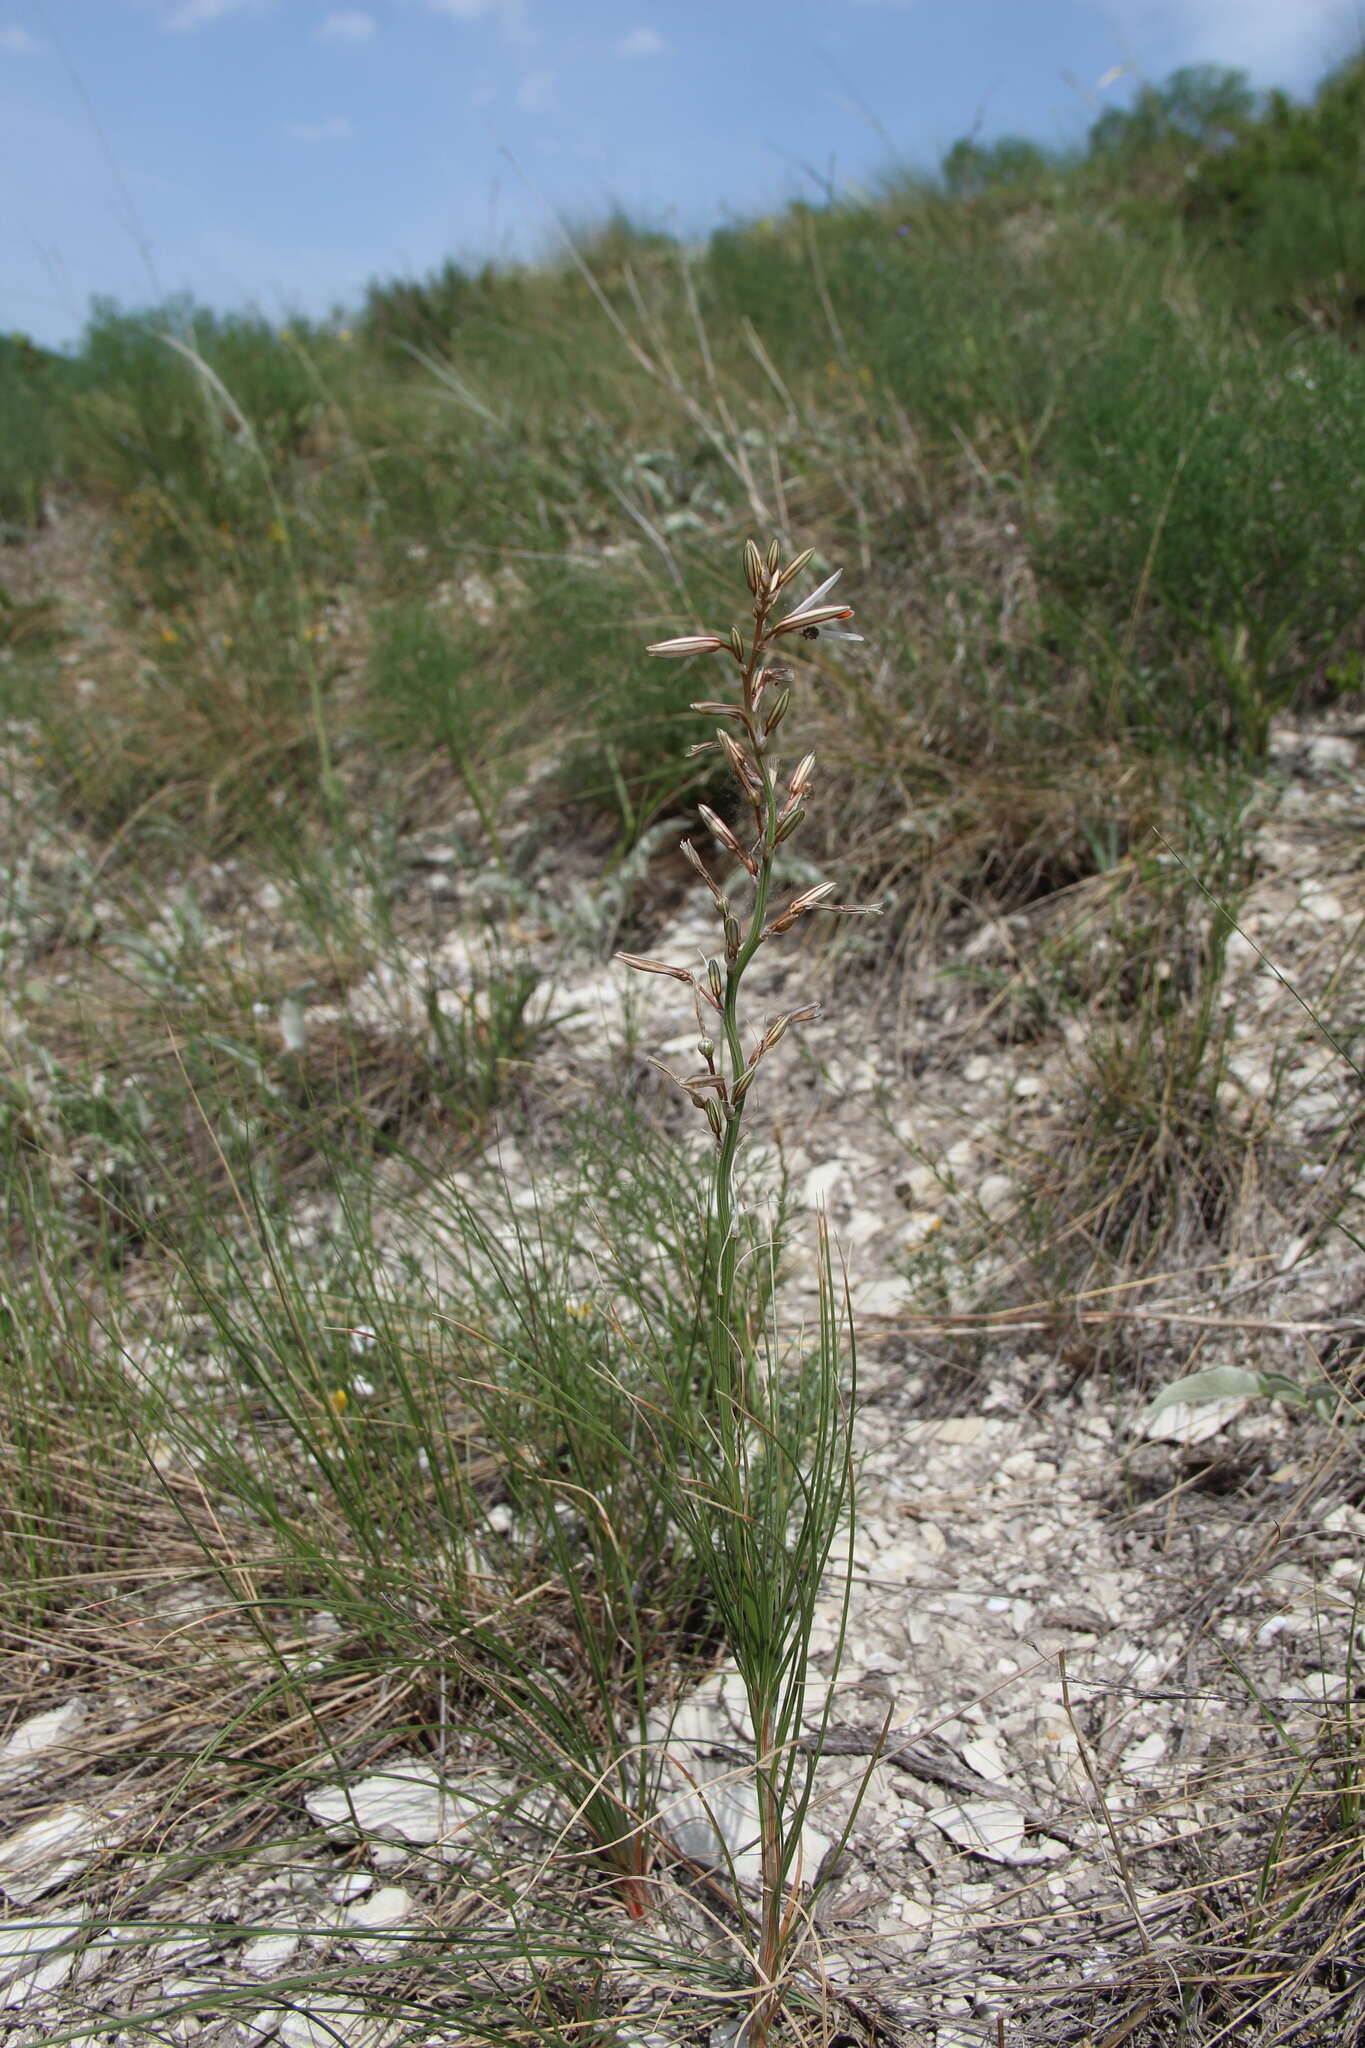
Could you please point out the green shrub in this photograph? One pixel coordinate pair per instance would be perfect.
(1217, 485)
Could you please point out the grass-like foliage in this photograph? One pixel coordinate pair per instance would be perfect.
(394, 1374)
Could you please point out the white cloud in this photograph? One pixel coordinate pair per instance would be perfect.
(336, 128)
(641, 42)
(350, 26)
(510, 15)
(1277, 41)
(473, 10)
(536, 92)
(199, 13)
(17, 42)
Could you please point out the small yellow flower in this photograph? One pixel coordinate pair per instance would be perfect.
(277, 532)
(169, 635)
(345, 335)
(338, 1400)
(581, 1309)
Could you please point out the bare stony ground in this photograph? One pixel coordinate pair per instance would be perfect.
(1089, 1659)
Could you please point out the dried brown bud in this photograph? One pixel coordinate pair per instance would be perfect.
(643, 966)
(739, 765)
(800, 781)
(725, 835)
(798, 906)
(718, 710)
(691, 855)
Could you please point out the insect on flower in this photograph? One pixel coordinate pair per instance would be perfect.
(813, 616)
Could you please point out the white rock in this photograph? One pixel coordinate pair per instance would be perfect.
(268, 1953)
(996, 1193)
(37, 1956)
(407, 1802)
(994, 1829)
(981, 1753)
(1139, 1760)
(707, 1800)
(1191, 1422)
(327, 2023)
(951, 1429)
(49, 1850)
(1328, 751)
(881, 1297)
(1344, 1520)
(390, 1906)
(821, 1182)
(21, 1750)
(1317, 1686)
(920, 1186)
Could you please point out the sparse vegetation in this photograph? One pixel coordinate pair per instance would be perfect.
(388, 1385)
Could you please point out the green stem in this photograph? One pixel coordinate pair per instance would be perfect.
(727, 1350)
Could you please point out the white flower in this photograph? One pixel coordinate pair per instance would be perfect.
(813, 617)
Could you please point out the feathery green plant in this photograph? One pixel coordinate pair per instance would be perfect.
(772, 1487)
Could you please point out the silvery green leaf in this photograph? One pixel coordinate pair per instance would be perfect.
(1217, 1383)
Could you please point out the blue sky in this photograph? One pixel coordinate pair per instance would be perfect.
(279, 153)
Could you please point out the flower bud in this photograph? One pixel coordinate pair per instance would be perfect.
(787, 826)
(716, 979)
(687, 643)
(777, 714)
(753, 567)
